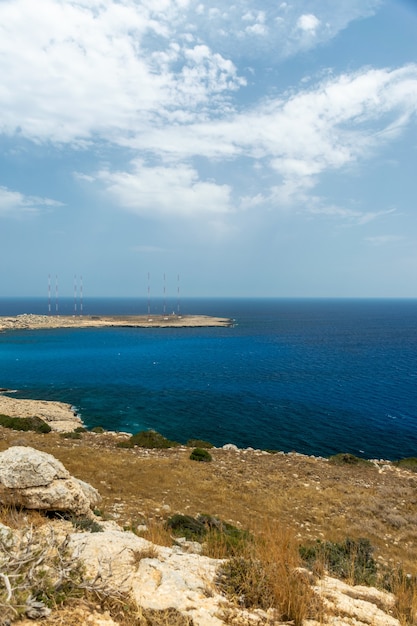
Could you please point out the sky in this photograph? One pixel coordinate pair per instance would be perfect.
(244, 148)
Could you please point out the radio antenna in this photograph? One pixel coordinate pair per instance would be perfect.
(149, 294)
(165, 299)
(81, 295)
(56, 294)
(75, 294)
(49, 294)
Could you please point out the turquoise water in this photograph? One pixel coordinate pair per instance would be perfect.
(315, 376)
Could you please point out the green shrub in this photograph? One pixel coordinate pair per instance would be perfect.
(351, 560)
(187, 526)
(409, 463)
(148, 439)
(35, 424)
(97, 429)
(124, 444)
(71, 435)
(199, 443)
(86, 524)
(345, 458)
(218, 536)
(80, 429)
(247, 581)
(200, 454)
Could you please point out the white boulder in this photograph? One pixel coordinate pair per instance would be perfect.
(37, 480)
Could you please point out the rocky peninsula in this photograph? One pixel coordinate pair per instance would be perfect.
(28, 321)
(60, 416)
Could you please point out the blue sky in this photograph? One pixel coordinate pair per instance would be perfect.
(254, 148)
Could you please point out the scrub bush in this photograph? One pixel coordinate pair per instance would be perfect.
(200, 454)
(351, 560)
(148, 439)
(199, 443)
(345, 458)
(35, 424)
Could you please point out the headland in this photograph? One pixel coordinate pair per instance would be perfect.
(34, 322)
(60, 416)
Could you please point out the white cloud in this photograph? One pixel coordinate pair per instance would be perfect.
(298, 138)
(75, 70)
(157, 78)
(308, 22)
(15, 204)
(382, 240)
(170, 191)
(357, 217)
(72, 71)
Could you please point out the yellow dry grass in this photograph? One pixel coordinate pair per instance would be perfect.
(307, 497)
(313, 497)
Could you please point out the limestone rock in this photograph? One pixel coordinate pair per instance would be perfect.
(160, 578)
(346, 605)
(36, 480)
(6, 536)
(168, 580)
(22, 467)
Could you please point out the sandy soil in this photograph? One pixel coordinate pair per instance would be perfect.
(33, 322)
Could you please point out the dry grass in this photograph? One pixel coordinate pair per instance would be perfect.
(268, 573)
(120, 610)
(312, 497)
(404, 587)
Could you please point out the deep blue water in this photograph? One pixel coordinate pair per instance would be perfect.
(314, 376)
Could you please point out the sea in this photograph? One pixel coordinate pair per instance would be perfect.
(314, 376)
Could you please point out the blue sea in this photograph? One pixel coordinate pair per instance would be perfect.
(316, 376)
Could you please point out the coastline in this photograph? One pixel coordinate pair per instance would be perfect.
(33, 322)
(60, 416)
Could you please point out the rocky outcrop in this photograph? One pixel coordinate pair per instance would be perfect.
(37, 480)
(60, 416)
(160, 578)
(156, 578)
(346, 605)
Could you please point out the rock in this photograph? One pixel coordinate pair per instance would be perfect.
(58, 415)
(36, 609)
(36, 480)
(6, 536)
(358, 605)
(230, 446)
(170, 580)
(160, 578)
(187, 546)
(22, 467)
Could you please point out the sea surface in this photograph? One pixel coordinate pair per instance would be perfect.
(315, 376)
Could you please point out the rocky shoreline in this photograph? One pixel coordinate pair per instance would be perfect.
(33, 322)
(60, 416)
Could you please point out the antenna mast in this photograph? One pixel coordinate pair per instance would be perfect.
(165, 300)
(49, 294)
(81, 295)
(75, 294)
(149, 295)
(56, 294)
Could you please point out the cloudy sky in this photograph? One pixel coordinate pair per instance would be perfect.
(254, 148)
